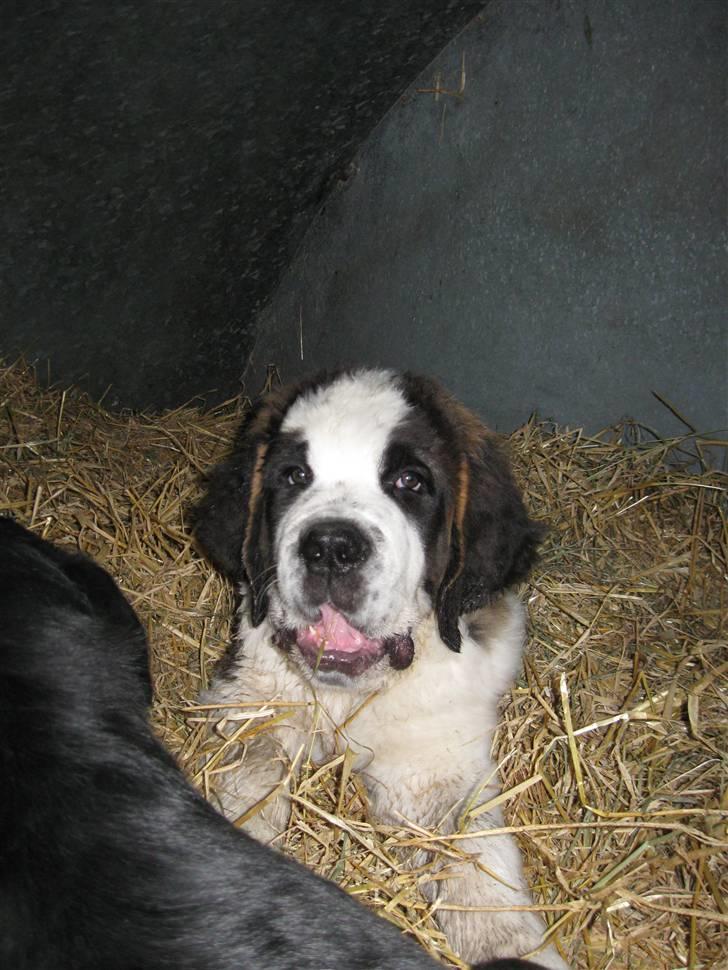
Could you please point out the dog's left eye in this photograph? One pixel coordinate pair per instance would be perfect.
(298, 475)
(409, 481)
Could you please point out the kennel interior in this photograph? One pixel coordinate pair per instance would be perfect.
(538, 219)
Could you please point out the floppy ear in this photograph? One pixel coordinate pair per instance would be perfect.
(229, 521)
(493, 542)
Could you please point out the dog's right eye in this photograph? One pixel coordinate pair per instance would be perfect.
(409, 481)
(298, 475)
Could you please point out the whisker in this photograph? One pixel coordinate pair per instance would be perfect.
(262, 574)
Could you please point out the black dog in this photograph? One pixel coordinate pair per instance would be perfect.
(108, 857)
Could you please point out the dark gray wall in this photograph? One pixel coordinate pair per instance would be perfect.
(159, 162)
(552, 239)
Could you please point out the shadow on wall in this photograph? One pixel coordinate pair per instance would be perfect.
(161, 162)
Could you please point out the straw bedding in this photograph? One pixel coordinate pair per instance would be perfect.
(613, 744)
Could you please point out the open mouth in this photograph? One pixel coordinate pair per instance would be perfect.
(333, 644)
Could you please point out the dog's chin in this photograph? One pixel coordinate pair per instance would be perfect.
(333, 650)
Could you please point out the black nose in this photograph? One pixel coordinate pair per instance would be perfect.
(334, 546)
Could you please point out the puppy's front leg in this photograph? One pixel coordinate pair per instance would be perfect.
(251, 787)
(248, 763)
(492, 877)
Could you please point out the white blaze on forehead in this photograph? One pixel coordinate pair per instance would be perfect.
(346, 425)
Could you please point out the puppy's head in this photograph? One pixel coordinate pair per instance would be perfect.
(355, 506)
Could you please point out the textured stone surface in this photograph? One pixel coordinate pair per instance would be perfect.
(160, 162)
(553, 239)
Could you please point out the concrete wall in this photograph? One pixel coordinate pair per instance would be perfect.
(551, 238)
(160, 162)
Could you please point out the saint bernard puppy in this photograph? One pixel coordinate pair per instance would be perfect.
(373, 528)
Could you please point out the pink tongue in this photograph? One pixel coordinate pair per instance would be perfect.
(332, 632)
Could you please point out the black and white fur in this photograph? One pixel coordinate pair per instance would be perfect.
(379, 499)
(108, 858)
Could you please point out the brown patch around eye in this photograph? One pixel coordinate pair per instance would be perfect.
(461, 498)
(456, 527)
(461, 506)
(256, 488)
(265, 424)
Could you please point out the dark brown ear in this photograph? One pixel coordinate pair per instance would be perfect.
(493, 542)
(229, 522)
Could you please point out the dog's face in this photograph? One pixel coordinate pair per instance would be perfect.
(355, 506)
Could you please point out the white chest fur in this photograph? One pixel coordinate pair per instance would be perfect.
(422, 741)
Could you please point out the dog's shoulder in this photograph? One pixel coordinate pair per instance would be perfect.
(251, 669)
(496, 636)
(437, 716)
